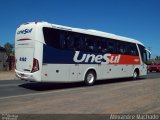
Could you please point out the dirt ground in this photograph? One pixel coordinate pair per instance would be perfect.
(7, 75)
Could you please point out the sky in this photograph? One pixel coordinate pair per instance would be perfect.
(137, 19)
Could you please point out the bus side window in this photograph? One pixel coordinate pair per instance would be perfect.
(111, 46)
(133, 49)
(95, 44)
(82, 43)
(125, 48)
(119, 49)
(98, 45)
(89, 44)
(77, 42)
(70, 42)
(65, 40)
(62, 40)
(51, 37)
(103, 43)
(129, 48)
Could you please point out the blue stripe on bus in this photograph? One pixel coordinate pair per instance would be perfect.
(58, 56)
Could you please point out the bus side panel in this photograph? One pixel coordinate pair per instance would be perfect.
(112, 71)
(117, 71)
(129, 69)
(75, 72)
(55, 72)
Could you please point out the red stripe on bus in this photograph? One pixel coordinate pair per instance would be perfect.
(24, 39)
(125, 59)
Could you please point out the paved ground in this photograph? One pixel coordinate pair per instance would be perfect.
(110, 96)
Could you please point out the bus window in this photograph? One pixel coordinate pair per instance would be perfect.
(77, 41)
(133, 49)
(120, 47)
(143, 53)
(70, 41)
(90, 44)
(62, 41)
(104, 45)
(110, 47)
(67, 40)
(82, 43)
(98, 45)
(51, 37)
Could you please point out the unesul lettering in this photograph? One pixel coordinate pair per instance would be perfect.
(24, 31)
(101, 59)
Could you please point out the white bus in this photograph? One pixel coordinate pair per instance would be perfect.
(47, 52)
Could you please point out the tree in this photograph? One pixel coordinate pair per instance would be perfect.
(9, 48)
(157, 59)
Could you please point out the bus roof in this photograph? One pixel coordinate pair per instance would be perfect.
(88, 31)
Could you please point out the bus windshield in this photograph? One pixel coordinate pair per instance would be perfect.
(143, 53)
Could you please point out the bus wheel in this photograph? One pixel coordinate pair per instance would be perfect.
(90, 78)
(136, 74)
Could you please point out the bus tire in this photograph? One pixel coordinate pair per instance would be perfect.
(90, 78)
(135, 74)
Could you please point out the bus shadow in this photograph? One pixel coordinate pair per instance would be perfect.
(49, 86)
(119, 80)
(57, 86)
